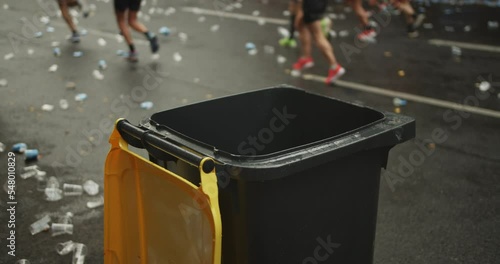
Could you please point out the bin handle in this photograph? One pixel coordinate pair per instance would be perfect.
(158, 147)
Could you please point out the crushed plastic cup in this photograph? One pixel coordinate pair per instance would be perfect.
(102, 42)
(98, 75)
(90, 186)
(3, 83)
(261, 22)
(61, 229)
(30, 51)
(283, 32)
(281, 59)
(53, 182)
(45, 19)
(256, 13)
(456, 51)
(342, 16)
(65, 248)
(467, 28)
(147, 105)
(81, 97)
(295, 73)
(79, 253)
(484, 86)
(332, 33)
(183, 36)
(5, 6)
(250, 46)
(121, 53)
(102, 65)
(8, 56)
(286, 13)
(214, 28)
(40, 225)
(31, 155)
(84, 32)
(56, 51)
(449, 29)
(41, 183)
(177, 57)
(47, 107)
(70, 85)
(67, 218)
(53, 194)
(119, 38)
(50, 29)
(53, 68)
(38, 34)
(27, 174)
(19, 148)
(252, 52)
(95, 203)
(268, 49)
(63, 103)
(201, 19)
(31, 168)
(23, 261)
(72, 189)
(492, 24)
(343, 33)
(2, 147)
(55, 44)
(155, 56)
(165, 31)
(77, 54)
(399, 102)
(428, 26)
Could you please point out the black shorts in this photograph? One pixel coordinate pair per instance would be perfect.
(132, 5)
(314, 10)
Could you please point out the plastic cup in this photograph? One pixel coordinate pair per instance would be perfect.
(79, 253)
(65, 248)
(61, 229)
(40, 225)
(72, 189)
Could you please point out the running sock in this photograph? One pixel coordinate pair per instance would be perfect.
(131, 47)
(149, 35)
(292, 26)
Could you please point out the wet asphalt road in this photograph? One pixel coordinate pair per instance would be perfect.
(447, 210)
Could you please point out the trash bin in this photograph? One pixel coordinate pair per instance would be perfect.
(298, 173)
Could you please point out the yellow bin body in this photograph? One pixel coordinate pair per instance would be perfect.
(152, 215)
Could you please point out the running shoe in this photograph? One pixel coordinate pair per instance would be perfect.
(368, 35)
(132, 56)
(303, 63)
(153, 42)
(288, 42)
(334, 74)
(75, 37)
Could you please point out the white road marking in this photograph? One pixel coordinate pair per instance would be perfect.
(209, 12)
(464, 45)
(407, 96)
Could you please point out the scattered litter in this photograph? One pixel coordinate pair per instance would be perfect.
(91, 187)
(467, 28)
(103, 65)
(147, 105)
(3, 83)
(286, 13)
(72, 189)
(281, 59)
(95, 203)
(38, 34)
(342, 16)
(401, 73)
(177, 57)
(399, 102)
(53, 68)
(47, 107)
(80, 97)
(28, 174)
(196, 80)
(431, 145)
(31, 155)
(332, 33)
(50, 29)
(283, 32)
(55, 44)
(261, 21)
(268, 49)
(165, 31)
(252, 52)
(343, 33)
(30, 51)
(184, 101)
(456, 51)
(209, 96)
(23, 261)
(238, 5)
(428, 25)
(5, 6)
(256, 13)
(77, 54)
(151, 10)
(119, 38)
(201, 19)
(250, 46)
(214, 28)
(484, 86)
(155, 56)
(333, 16)
(80, 250)
(70, 85)
(19, 148)
(2, 147)
(347, 9)
(121, 53)
(98, 75)
(183, 36)
(61, 229)
(83, 32)
(492, 24)
(40, 225)
(57, 51)
(53, 194)
(295, 73)
(387, 54)
(397, 110)
(31, 168)
(102, 42)
(449, 29)
(63, 103)
(65, 248)
(8, 56)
